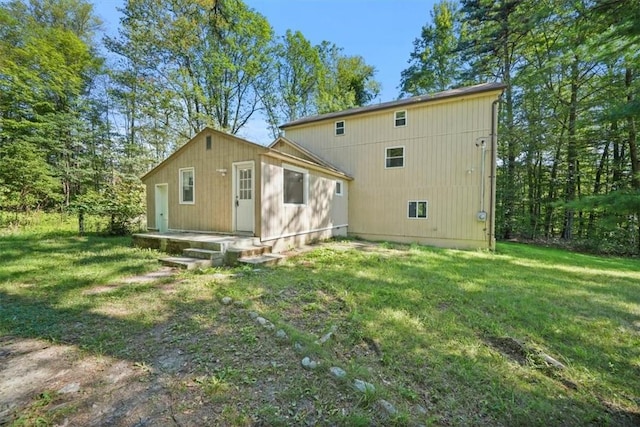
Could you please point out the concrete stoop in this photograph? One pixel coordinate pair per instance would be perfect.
(193, 258)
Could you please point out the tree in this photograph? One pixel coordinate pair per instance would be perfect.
(205, 60)
(292, 88)
(46, 67)
(345, 81)
(435, 63)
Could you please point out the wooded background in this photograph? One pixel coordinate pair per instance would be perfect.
(77, 130)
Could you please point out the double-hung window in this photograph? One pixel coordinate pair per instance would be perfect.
(400, 118)
(394, 157)
(187, 181)
(340, 128)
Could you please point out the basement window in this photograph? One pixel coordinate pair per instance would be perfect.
(418, 209)
(394, 157)
(187, 178)
(295, 185)
(340, 128)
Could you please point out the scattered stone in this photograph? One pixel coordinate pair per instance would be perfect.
(298, 347)
(253, 315)
(551, 361)
(421, 409)
(226, 300)
(281, 334)
(70, 388)
(388, 407)
(363, 386)
(327, 336)
(337, 372)
(265, 323)
(307, 363)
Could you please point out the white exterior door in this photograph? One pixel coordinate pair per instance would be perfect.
(162, 207)
(244, 196)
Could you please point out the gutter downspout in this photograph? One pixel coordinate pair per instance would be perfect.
(492, 177)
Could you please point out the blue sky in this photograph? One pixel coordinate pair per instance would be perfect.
(381, 31)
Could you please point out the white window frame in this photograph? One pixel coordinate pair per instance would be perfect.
(396, 118)
(181, 172)
(342, 128)
(417, 202)
(305, 184)
(386, 157)
(340, 184)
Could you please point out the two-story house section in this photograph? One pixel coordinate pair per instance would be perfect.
(423, 168)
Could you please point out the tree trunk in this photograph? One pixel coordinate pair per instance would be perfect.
(572, 154)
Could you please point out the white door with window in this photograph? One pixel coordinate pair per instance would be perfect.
(243, 197)
(162, 207)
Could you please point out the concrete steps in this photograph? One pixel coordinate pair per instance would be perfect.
(186, 263)
(242, 251)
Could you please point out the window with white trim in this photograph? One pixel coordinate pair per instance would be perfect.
(340, 128)
(418, 209)
(295, 185)
(400, 118)
(186, 182)
(339, 188)
(394, 157)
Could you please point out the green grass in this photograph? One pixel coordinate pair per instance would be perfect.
(431, 328)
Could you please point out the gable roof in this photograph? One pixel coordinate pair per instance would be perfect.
(195, 137)
(317, 159)
(315, 162)
(451, 93)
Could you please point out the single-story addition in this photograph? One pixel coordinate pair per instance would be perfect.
(221, 184)
(420, 169)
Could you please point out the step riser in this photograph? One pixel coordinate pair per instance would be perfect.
(203, 254)
(186, 265)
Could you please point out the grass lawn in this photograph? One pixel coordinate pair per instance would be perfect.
(447, 337)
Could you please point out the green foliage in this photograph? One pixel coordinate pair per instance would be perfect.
(26, 180)
(121, 202)
(435, 63)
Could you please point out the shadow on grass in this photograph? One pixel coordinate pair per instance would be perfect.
(435, 304)
(427, 308)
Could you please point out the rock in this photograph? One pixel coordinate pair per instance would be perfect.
(226, 300)
(265, 323)
(327, 336)
(421, 409)
(363, 386)
(337, 372)
(281, 334)
(253, 315)
(70, 388)
(298, 347)
(388, 407)
(307, 363)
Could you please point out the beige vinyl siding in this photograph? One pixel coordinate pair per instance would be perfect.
(212, 210)
(442, 166)
(323, 210)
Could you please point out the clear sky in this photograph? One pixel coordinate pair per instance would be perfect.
(381, 31)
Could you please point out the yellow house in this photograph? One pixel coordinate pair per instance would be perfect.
(423, 168)
(420, 169)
